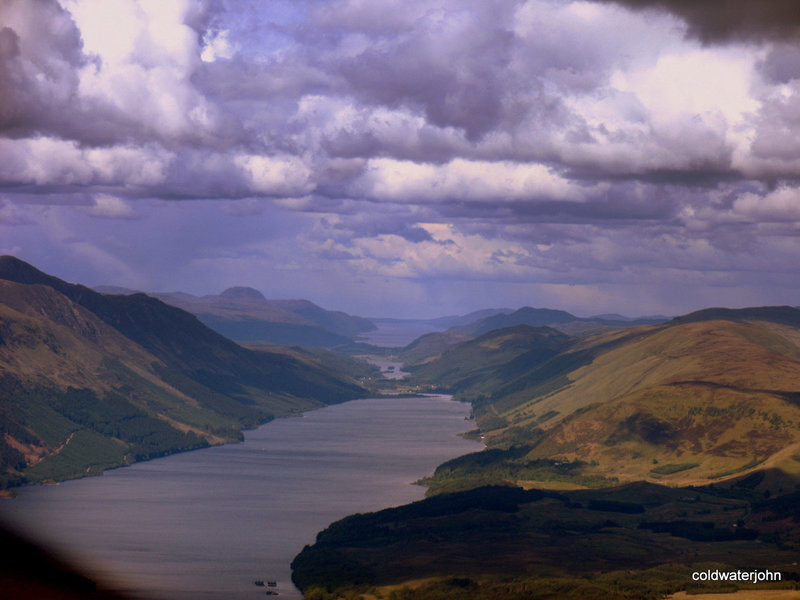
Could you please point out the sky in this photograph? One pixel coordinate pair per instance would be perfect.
(408, 158)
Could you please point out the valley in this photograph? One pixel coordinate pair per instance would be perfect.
(620, 454)
(576, 221)
(617, 463)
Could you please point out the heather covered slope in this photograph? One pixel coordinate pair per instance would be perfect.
(692, 401)
(89, 381)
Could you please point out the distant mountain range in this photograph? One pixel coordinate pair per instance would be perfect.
(90, 381)
(245, 315)
(406, 335)
(430, 346)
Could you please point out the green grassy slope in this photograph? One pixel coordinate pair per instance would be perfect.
(692, 401)
(480, 366)
(191, 352)
(430, 346)
(533, 317)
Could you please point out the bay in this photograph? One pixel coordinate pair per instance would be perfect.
(207, 524)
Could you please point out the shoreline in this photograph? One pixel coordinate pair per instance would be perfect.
(9, 492)
(386, 434)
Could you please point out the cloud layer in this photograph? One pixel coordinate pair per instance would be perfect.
(524, 145)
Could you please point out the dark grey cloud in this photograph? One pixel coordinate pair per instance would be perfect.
(435, 82)
(52, 85)
(452, 87)
(616, 207)
(730, 20)
(782, 63)
(446, 61)
(40, 50)
(776, 139)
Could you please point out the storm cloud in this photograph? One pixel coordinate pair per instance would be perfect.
(731, 20)
(399, 145)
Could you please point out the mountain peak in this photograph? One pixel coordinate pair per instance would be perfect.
(243, 293)
(18, 270)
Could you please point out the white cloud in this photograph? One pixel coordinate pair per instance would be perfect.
(276, 175)
(143, 57)
(463, 180)
(150, 32)
(781, 205)
(448, 253)
(110, 207)
(557, 141)
(694, 82)
(217, 46)
(52, 161)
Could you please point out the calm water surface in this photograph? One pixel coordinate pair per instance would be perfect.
(390, 369)
(206, 524)
(392, 333)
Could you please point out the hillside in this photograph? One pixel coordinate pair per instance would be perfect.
(639, 541)
(534, 317)
(455, 321)
(692, 401)
(482, 365)
(545, 317)
(91, 381)
(617, 466)
(430, 346)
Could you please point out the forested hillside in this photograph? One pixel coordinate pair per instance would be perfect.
(90, 381)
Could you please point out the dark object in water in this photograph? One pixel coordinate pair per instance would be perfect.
(259, 582)
(272, 584)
